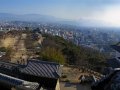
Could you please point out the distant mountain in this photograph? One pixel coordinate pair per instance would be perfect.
(26, 17)
(35, 18)
(47, 18)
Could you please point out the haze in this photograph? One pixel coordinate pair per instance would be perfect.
(107, 11)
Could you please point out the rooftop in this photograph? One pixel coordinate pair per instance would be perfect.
(12, 81)
(34, 67)
(42, 72)
(114, 63)
(42, 69)
(110, 82)
(116, 47)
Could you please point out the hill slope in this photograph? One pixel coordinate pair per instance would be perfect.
(73, 54)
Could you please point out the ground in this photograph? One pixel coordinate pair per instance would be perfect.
(72, 86)
(71, 80)
(16, 45)
(73, 74)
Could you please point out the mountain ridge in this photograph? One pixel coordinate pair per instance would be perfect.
(50, 19)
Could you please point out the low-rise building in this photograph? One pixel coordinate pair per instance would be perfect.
(46, 74)
(115, 62)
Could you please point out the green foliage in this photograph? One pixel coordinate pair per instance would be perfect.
(52, 54)
(64, 76)
(2, 49)
(7, 54)
(75, 55)
(7, 50)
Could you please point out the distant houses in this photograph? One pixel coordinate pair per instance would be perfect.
(42, 74)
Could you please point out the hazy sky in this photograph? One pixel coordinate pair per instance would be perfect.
(103, 10)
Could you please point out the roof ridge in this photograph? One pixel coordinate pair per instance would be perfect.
(9, 63)
(116, 47)
(41, 61)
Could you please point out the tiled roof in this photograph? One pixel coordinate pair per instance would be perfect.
(116, 47)
(110, 82)
(46, 72)
(114, 63)
(34, 67)
(8, 65)
(10, 80)
(42, 69)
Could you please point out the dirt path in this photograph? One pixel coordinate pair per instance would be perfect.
(20, 53)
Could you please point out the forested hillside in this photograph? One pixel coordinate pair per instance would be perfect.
(49, 48)
(59, 50)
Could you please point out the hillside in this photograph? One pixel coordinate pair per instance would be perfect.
(49, 48)
(71, 53)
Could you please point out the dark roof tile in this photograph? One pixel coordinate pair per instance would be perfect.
(114, 63)
(41, 69)
(117, 48)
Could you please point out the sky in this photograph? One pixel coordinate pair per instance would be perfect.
(107, 11)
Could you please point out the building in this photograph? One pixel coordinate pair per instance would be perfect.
(110, 82)
(115, 62)
(8, 82)
(46, 74)
(117, 49)
(112, 79)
